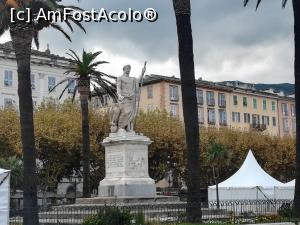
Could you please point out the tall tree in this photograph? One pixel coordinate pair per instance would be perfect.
(296, 9)
(217, 154)
(182, 9)
(83, 75)
(22, 33)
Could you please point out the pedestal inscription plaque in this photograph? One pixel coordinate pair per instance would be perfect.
(126, 164)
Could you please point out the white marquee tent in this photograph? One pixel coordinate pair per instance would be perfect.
(250, 182)
(291, 183)
(4, 196)
(286, 191)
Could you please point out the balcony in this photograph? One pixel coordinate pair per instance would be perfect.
(210, 102)
(258, 127)
(224, 124)
(222, 104)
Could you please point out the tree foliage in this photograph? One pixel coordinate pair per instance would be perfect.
(59, 143)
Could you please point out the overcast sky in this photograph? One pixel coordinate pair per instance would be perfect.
(230, 42)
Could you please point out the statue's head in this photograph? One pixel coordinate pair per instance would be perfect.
(127, 69)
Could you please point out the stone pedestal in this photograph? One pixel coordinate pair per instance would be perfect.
(126, 166)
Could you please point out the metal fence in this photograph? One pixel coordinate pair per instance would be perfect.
(228, 212)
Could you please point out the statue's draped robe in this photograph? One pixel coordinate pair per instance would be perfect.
(128, 88)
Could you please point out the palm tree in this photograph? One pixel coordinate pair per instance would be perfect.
(217, 154)
(22, 34)
(15, 165)
(296, 9)
(83, 76)
(182, 9)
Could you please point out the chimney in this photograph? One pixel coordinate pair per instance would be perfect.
(48, 49)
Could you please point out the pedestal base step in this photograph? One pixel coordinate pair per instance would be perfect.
(127, 200)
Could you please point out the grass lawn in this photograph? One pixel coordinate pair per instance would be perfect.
(203, 224)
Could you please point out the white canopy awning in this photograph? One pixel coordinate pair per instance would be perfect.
(4, 196)
(290, 184)
(250, 175)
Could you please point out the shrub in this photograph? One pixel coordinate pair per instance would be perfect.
(111, 216)
(286, 210)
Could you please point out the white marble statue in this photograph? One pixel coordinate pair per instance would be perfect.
(122, 114)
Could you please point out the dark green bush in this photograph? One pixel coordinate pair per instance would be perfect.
(286, 210)
(110, 216)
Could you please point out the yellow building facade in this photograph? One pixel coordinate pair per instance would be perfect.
(220, 105)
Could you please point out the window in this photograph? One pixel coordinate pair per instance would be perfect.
(51, 83)
(246, 118)
(199, 97)
(201, 115)
(71, 87)
(173, 93)
(264, 104)
(222, 117)
(274, 121)
(221, 100)
(150, 91)
(284, 109)
(273, 106)
(235, 100)
(255, 120)
(265, 120)
(294, 125)
(173, 110)
(8, 78)
(97, 102)
(210, 98)
(32, 79)
(285, 125)
(149, 107)
(293, 110)
(105, 100)
(8, 103)
(245, 102)
(255, 103)
(211, 116)
(236, 117)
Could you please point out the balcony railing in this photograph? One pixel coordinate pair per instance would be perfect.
(259, 127)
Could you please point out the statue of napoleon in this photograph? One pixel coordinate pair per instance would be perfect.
(123, 113)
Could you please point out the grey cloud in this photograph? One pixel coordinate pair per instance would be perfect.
(223, 31)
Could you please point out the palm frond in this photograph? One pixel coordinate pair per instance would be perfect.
(59, 83)
(74, 93)
(59, 28)
(259, 1)
(74, 54)
(98, 63)
(36, 39)
(66, 87)
(284, 3)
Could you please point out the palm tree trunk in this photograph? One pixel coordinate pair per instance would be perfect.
(85, 145)
(21, 35)
(217, 187)
(190, 112)
(296, 7)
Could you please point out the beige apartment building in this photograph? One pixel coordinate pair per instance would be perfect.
(287, 116)
(164, 93)
(233, 105)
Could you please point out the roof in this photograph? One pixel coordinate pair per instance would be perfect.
(291, 183)
(8, 46)
(154, 78)
(3, 171)
(250, 175)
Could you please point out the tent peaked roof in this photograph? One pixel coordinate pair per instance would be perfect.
(3, 171)
(250, 175)
(291, 183)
